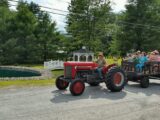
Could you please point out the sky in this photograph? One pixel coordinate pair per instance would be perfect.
(117, 6)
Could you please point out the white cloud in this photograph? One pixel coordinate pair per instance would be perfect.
(12, 5)
(118, 5)
(57, 4)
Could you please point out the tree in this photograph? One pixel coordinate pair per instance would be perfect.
(27, 35)
(34, 8)
(22, 30)
(47, 36)
(5, 16)
(87, 22)
(4, 3)
(137, 28)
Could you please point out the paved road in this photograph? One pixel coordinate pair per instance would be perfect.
(97, 103)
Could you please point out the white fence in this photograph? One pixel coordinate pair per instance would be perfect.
(54, 65)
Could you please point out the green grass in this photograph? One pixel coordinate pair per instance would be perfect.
(57, 73)
(22, 83)
(38, 66)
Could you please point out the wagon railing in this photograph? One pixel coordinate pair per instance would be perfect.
(150, 68)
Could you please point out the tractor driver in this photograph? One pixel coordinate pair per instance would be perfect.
(101, 64)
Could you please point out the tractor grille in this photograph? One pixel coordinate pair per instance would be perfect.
(68, 71)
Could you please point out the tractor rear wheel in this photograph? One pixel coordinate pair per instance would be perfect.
(144, 83)
(77, 87)
(115, 79)
(61, 84)
(94, 84)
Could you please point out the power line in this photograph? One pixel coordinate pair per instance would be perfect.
(133, 27)
(13, 0)
(117, 21)
(55, 10)
(65, 2)
(56, 13)
(52, 9)
(58, 9)
(73, 13)
(44, 7)
(121, 22)
(45, 11)
(143, 25)
(60, 0)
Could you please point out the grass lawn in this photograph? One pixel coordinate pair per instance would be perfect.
(38, 66)
(22, 83)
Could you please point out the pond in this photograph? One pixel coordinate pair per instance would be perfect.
(18, 72)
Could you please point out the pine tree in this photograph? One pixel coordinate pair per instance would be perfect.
(87, 22)
(137, 24)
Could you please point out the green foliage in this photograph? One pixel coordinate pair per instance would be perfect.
(27, 35)
(139, 27)
(89, 23)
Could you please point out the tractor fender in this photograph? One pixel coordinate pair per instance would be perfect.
(106, 69)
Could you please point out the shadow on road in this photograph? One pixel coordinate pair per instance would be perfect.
(89, 93)
(103, 92)
(154, 88)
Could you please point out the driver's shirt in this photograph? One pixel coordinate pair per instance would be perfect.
(101, 62)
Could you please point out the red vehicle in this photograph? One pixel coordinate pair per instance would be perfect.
(79, 73)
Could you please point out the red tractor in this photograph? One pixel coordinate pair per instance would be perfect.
(79, 73)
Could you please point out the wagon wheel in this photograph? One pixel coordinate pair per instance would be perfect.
(144, 83)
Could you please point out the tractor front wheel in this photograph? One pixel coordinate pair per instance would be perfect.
(77, 87)
(61, 84)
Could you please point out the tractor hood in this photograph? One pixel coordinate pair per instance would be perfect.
(91, 64)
